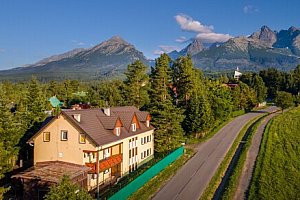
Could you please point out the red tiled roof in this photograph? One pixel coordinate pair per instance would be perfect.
(98, 126)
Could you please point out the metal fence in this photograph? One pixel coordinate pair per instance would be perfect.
(133, 186)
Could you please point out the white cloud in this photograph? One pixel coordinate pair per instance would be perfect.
(182, 39)
(249, 9)
(165, 49)
(213, 37)
(188, 24)
(204, 32)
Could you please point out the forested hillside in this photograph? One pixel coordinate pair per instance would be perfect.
(183, 103)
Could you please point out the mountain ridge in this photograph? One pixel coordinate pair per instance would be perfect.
(263, 48)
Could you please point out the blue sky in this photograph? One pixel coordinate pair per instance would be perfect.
(34, 29)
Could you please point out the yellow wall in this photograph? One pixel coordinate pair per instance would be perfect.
(57, 150)
(125, 164)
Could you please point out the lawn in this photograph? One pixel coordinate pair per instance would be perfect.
(277, 170)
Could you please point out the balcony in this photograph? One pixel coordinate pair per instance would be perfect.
(105, 163)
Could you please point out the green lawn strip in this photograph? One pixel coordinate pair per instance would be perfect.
(277, 171)
(217, 178)
(151, 187)
(237, 172)
(259, 161)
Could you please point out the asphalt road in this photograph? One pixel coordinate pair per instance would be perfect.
(191, 180)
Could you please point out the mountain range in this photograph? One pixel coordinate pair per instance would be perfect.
(262, 49)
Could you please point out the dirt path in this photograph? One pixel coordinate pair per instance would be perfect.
(244, 180)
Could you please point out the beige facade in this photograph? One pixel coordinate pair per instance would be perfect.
(70, 150)
(58, 147)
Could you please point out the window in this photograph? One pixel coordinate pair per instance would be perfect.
(148, 123)
(117, 131)
(148, 139)
(129, 153)
(133, 127)
(82, 138)
(142, 140)
(142, 155)
(106, 153)
(46, 136)
(147, 152)
(136, 151)
(64, 135)
(130, 144)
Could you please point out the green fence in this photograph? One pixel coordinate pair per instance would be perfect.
(129, 189)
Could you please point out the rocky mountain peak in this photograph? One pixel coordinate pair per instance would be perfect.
(193, 48)
(293, 29)
(267, 35)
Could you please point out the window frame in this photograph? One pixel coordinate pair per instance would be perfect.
(61, 135)
(133, 127)
(118, 131)
(44, 138)
(80, 136)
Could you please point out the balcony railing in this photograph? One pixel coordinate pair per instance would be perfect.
(105, 163)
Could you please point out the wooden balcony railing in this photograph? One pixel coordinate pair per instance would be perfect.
(105, 163)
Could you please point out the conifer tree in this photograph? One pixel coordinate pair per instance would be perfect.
(167, 118)
(35, 102)
(184, 78)
(198, 115)
(136, 84)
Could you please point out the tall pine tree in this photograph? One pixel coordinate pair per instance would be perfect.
(136, 84)
(167, 118)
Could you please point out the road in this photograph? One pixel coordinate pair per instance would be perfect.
(244, 181)
(192, 179)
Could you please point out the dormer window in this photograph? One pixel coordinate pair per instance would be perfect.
(133, 127)
(148, 123)
(117, 131)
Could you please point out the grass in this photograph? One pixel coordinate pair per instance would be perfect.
(217, 178)
(277, 171)
(237, 172)
(151, 187)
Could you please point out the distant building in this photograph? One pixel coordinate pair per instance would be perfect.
(91, 146)
(237, 74)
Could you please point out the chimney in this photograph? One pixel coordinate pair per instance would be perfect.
(77, 117)
(106, 111)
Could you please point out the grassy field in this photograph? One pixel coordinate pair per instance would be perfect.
(277, 170)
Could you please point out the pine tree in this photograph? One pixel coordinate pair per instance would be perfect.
(198, 115)
(136, 84)
(36, 102)
(166, 117)
(184, 78)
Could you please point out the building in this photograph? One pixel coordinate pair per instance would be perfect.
(119, 139)
(237, 74)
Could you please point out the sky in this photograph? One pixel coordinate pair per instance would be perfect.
(35, 29)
